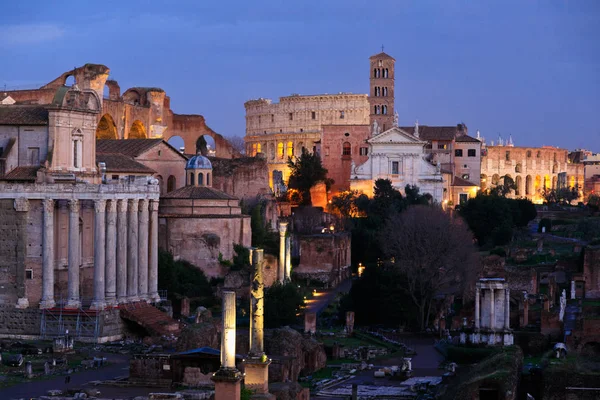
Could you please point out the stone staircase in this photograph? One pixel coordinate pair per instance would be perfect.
(156, 322)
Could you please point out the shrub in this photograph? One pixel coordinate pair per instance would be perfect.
(499, 251)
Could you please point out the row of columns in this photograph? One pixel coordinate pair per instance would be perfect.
(492, 310)
(125, 252)
(285, 254)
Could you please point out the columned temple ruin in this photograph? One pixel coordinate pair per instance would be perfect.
(492, 313)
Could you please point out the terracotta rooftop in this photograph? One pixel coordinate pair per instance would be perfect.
(461, 182)
(122, 163)
(22, 174)
(23, 115)
(432, 132)
(467, 138)
(382, 55)
(198, 192)
(127, 147)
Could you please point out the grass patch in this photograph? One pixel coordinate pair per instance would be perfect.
(323, 373)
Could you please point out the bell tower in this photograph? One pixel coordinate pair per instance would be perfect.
(381, 91)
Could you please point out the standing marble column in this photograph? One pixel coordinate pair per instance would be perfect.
(288, 259)
(228, 335)
(507, 308)
(132, 253)
(111, 253)
(143, 250)
(257, 305)
(153, 267)
(282, 232)
(572, 290)
(22, 208)
(74, 257)
(48, 255)
(477, 313)
(122, 251)
(492, 310)
(98, 302)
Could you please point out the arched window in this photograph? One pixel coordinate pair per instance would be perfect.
(385, 92)
(171, 183)
(386, 73)
(528, 185)
(518, 168)
(258, 148)
(272, 151)
(347, 149)
(384, 109)
(374, 72)
(290, 149)
(528, 153)
(554, 168)
(192, 183)
(280, 151)
(200, 179)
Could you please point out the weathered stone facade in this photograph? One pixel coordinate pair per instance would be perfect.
(324, 258)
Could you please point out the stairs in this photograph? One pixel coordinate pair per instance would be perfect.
(156, 322)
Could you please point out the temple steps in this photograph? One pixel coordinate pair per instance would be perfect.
(150, 318)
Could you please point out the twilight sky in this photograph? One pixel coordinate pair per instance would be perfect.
(530, 68)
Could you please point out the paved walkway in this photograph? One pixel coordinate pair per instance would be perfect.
(325, 297)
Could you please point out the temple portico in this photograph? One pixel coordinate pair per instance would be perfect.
(492, 312)
(123, 237)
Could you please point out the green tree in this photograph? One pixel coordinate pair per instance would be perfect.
(282, 302)
(183, 279)
(505, 188)
(344, 204)
(257, 223)
(413, 197)
(305, 171)
(594, 202)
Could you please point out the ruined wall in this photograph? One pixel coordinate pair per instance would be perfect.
(190, 128)
(200, 240)
(11, 252)
(332, 152)
(324, 257)
(591, 271)
(244, 178)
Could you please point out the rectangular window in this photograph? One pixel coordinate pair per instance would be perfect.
(395, 167)
(313, 115)
(75, 153)
(364, 151)
(442, 147)
(272, 117)
(458, 153)
(28, 274)
(326, 150)
(508, 156)
(291, 116)
(33, 156)
(259, 119)
(463, 198)
(115, 177)
(341, 114)
(471, 153)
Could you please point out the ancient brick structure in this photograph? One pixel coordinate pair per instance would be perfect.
(138, 113)
(325, 258)
(591, 271)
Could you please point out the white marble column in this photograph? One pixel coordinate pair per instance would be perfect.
(572, 290)
(153, 267)
(48, 255)
(143, 250)
(282, 231)
(132, 254)
(288, 259)
(492, 310)
(122, 251)
(98, 302)
(21, 206)
(110, 275)
(507, 309)
(477, 313)
(228, 335)
(257, 306)
(74, 257)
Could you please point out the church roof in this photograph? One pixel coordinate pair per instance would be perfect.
(23, 115)
(461, 182)
(198, 192)
(26, 173)
(466, 138)
(127, 147)
(122, 163)
(432, 132)
(382, 55)
(198, 162)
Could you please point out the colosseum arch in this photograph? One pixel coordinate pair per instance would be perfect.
(137, 130)
(106, 128)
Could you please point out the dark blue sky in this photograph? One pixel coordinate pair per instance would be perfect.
(530, 68)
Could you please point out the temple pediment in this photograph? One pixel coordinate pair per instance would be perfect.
(396, 135)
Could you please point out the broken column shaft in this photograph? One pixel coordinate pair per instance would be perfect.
(228, 337)
(257, 305)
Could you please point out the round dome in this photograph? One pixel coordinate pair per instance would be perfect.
(198, 162)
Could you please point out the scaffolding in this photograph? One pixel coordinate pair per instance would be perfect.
(79, 322)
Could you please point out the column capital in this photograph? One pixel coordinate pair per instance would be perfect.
(122, 205)
(48, 205)
(74, 205)
(283, 228)
(100, 205)
(143, 205)
(21, 204)
(133, 205)
(111, 206)
(154, 205)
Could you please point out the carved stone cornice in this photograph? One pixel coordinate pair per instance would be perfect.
(100, 206)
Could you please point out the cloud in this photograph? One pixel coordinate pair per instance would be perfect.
(29, 34)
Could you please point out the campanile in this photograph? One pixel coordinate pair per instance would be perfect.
(381, 91)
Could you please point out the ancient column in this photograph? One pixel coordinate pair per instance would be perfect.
(492, 310)
(153, 267)
(132, 254)
(572, 290)
(282, 231)
(48, 255)
(98, 302)
(288, 259)
(111, 253)
(227, 379)
(143, 250)
(74, 257)
(122, 251)
(477, 296)
(257, 364)
(22, 208)
(525, 320)
(507, 308)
